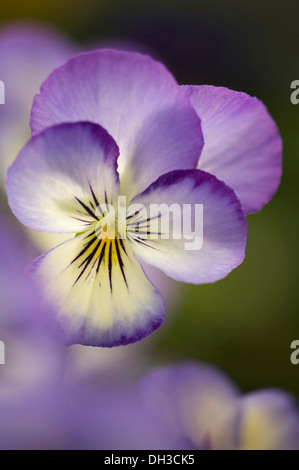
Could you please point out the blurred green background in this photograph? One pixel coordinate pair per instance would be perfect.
(246, 322)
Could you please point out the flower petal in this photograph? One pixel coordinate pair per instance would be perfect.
(61, 176)
(136, 100)
(242, 147)
(219, 239)
(98, 292)
(269, 421)
(104, 416)
(198, 400)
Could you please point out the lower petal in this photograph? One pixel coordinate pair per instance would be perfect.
(198, 400)
(97, 293)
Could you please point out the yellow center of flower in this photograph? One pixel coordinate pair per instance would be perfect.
(103, 245)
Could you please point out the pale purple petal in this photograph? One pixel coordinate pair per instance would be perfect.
(198, 401)
(242, 146)
(61, 176)
(136, 100)
(119, 418)
(269, 421)
(219, 239)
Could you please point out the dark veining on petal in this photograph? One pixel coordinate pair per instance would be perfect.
(88, 210)
(86, 247)
(87, 261)
(142, 232)
(94, 196)
(86, 222)
(99, 250)
(120, 261)
(101, 257)
(122, 245)
(110, 265)
(106, 198)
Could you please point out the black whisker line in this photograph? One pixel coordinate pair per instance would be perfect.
(100, 210)
(153, 218)
(142, 232)
(141, 241)
(141, 220)
(81, 220)
(90, 242)
(133, 215)
(87, 261)
(81, 213)
(101, 256)
(88, 210)
(110, 265)
(87, 245)
(122, 245)
(94, 196)
(91, 255)
(90, 271)
(139, 225)
(78, 277)
(120, 262)
(89, 235)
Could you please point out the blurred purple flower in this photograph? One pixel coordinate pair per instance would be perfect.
(32, 359)
(15, 294)
(28, 53)
(185, 407)
(33, 406)
(189, 407)
(70, 167)
(210, 411)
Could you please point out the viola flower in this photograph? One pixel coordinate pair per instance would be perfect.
(95, 285)
(112, 123)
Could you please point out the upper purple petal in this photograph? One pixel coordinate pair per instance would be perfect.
(242, 143)
(56, 179)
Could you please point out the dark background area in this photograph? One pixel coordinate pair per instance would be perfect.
(246, 322)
